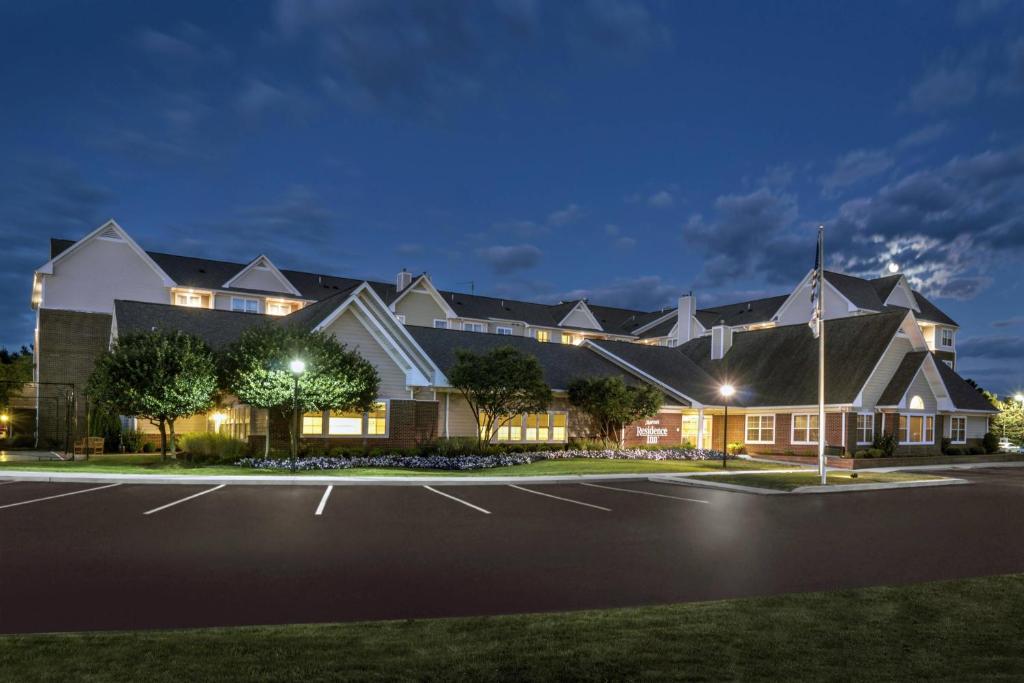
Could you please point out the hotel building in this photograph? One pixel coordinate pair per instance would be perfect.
(890, 359)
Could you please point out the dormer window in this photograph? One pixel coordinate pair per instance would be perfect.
(279, 307)
(190, 299)
(242, 304)
(946, 338)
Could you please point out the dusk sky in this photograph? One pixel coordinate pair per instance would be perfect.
(622, 150)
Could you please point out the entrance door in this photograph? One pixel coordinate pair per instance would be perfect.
(694, 436)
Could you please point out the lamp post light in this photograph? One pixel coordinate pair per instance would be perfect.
(726, 390)
(5, 420)
(297, 367)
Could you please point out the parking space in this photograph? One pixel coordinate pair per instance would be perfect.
(100, 556)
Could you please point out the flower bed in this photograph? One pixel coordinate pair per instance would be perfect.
(475, 462)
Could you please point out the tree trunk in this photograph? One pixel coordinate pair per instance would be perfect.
(266, 439)
(163, 439)
(173, 445)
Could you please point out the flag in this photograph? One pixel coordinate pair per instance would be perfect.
(816, 289)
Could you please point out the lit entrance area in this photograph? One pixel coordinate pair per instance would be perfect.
(695, 433)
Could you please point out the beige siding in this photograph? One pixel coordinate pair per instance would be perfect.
(976, 426)
(461, 421)
(185, 425)
(891, 359)
(223, 301)
(351, 332)
(99, 271)
(419, 308)
(799, 310)
(919, 387)
(264, 280)
(579, 319)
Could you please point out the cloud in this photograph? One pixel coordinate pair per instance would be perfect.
(971, 11)
(853, 167)
(661, 200)
(944, 87)
(258, 98)
(1009, 322)
(751, 234)
(625, 243)
(1011, 81)
(992, 346)
(644, 293)
(569, 214)
(185, 47)
(777, 177)
(923, 136)
(510, 258)
(618, 26)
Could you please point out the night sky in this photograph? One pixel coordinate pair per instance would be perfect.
(622, 150)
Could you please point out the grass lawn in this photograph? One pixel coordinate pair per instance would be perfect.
(788, 481)
(958, 630)
(142, 464)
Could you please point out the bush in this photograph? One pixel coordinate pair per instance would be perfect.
(886, 443)
(862, 454)
(132, 441)
(212, 448)
(977, 450)
(945, 445)
(737, 448)
(148, 447)
(991, 443)
(876, 453)
(955, 450)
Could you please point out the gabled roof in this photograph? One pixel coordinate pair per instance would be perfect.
(562, 363)
(860, 292)
(778, 366)
(931, 312)
(962, 394)
(262, 261)
(108, 231)
(423, 281)
(579, 306)
(742, 313)
(902, 378)
(884, 285)
(666, 365)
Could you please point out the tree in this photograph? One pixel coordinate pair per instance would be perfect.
(498, 385)
(15, 372)
(611, 404)
(1010, 420)
(159, 376)
(256, 370)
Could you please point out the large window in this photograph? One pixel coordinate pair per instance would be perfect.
(866, 428)
(958, 429)
(543, 336)
(946, 338)
(917, 429)
(570, 338)
(533, 427)
(189, 299)
(805, 428)
(245, 304)
(347, 423)
(279, 307)
(473, 327)
(760, 429)
(440, 324)
(503, 330)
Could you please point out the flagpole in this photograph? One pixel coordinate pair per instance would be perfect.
(821, 354)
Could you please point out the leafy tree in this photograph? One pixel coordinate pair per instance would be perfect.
(1010, 420)
(256, 370)
(15, 372)
(498, 385)
(611, 404)
(159, 376)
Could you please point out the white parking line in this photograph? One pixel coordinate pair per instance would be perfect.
(645, 493)
(323, 501)
(59, 495)
(10, 481)
(194, 495)
(567, 500)
(457, 500)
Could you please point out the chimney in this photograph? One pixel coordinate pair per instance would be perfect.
(403, 280)
(721, 341)
(685, 312)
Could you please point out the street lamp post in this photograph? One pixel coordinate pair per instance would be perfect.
(297, 367)
(726, 390)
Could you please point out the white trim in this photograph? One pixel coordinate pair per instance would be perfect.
(430, 289)
(444, 324)
(581, 306)
(900, 433)
(654, 323)
(902, 283)
(792, 429)
(268, 264)
(850, 306)
(47, 268)
(950, 423)
(503, 330)
(235, 298)
(746, 421)
(858, 430)
(858, 401)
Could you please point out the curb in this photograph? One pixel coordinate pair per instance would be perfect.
(954, 466)
(309, 480)
(687, 480)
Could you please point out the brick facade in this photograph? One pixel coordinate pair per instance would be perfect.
(410, 423)
(664, 429)
(892, 422)
(69, 344)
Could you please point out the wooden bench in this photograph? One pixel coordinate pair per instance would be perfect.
(90, 445)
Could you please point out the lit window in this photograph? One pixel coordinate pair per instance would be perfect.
(543, 336)
(245, 305)
(865, 428)
(503, 330)
(569, 338)
(313, 423)
(958, 429)
(760, 429)
(473, 327)
(343, 423)
(377, 420)
(536, 427)
(946, 338)
(558, 432)
(188, 299)
(278, 308)
(916, 403)
(441, 324)
(805, 428)
(917, 429)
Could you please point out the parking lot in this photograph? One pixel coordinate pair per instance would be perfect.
(126, 556)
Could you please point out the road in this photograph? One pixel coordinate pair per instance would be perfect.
(167, 556)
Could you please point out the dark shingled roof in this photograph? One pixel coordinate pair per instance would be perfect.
(931, 312)
(742, 313)
(217, 328)
(562, 363)
(858, 290)
(963, 395)
(902, 378)
(778, 366)
(884, 286)
(667, 365)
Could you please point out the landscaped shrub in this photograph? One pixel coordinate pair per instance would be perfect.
(876, 453)
(212, 448)
(132, 441)
(944, 445)
(886, 443)
(862, 454)
(475, 462)
(955, 450)
(737, 448)
(991, 443)
(148, 447)
(978, 450)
